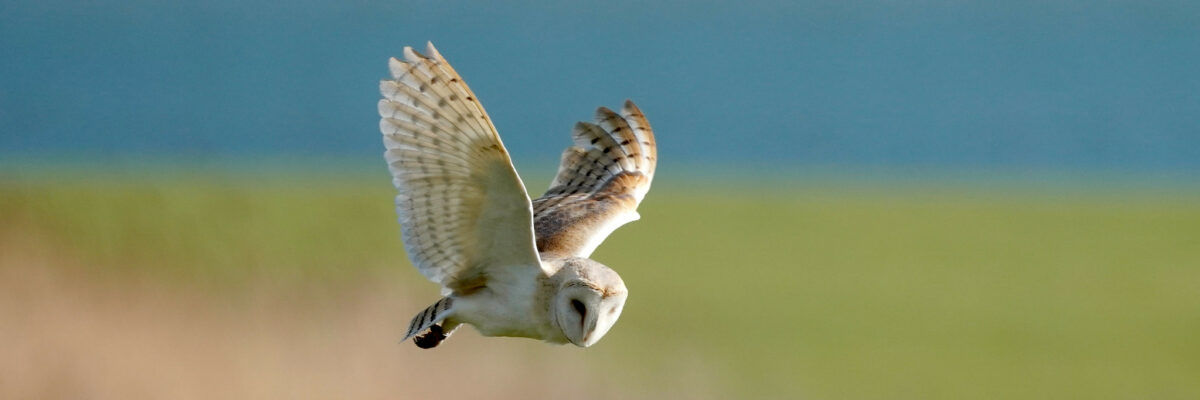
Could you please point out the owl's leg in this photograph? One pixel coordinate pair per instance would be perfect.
(436, 334)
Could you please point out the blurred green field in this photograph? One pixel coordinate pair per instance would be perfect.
(755, 291)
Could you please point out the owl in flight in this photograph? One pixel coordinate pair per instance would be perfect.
(507, 266)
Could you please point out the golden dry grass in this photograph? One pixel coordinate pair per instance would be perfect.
(190, 286)
(74, 333)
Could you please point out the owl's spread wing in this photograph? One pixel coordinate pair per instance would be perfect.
(464, 214)
(599, 184)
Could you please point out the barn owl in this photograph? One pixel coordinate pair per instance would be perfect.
(507, 266)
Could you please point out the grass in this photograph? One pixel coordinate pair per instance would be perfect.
(822, 291)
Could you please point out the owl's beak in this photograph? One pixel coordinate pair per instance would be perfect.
(585, 342)
(589, 329)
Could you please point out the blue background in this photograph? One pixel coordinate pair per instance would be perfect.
(1108, 86)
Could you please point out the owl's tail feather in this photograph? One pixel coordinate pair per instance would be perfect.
(428, 320)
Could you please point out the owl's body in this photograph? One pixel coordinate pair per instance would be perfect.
(508, 266)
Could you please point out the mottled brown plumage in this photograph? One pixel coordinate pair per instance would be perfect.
(599, 184)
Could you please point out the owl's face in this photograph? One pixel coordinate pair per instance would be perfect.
(587, 308)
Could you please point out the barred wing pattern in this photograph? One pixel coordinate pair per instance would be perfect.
(600, 182)
(464, 214)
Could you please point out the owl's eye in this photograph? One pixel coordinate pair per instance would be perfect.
(579, 308)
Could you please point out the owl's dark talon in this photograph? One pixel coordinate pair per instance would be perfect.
(430, 339)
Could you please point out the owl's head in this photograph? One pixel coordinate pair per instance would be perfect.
(589, 301)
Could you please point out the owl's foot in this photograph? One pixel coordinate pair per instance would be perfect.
(430, 339)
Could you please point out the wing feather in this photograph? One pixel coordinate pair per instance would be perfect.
(464, 214)
(600, 182)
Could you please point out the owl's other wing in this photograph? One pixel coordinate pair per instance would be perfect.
(464, 214)
(599, 184)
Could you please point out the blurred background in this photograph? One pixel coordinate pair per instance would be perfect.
(855, 200)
